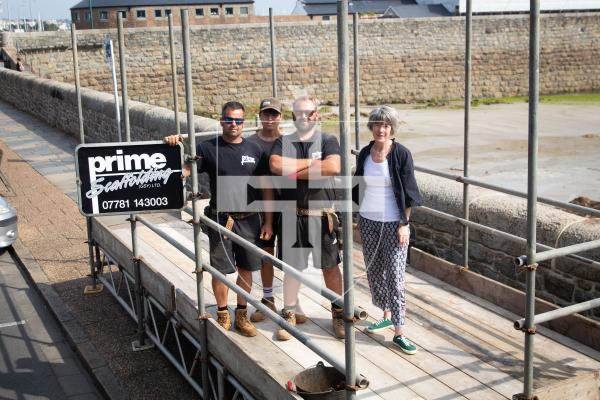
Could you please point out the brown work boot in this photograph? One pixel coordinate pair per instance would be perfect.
(300, 314)
(337, 317)
(224, 319)
(290, 317)
(242, 324)
(258, 316)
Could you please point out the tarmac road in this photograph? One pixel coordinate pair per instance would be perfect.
(36, 362)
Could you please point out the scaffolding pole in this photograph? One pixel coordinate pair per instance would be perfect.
(174, 75)
(199, 270)
(534, 75)
(468, 70)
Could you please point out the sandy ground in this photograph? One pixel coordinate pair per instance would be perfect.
(569, 143)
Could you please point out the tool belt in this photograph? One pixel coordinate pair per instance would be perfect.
(231, 217)
(318, 212)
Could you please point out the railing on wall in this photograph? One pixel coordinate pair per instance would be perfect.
(529, 261)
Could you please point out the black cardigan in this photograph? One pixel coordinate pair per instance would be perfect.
(402, 175)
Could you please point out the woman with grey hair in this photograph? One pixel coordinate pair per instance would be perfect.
(387, 191)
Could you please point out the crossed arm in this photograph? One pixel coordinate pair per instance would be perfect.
(305, 168)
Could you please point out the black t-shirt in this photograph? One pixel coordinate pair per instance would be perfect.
(230, 168)
(265, 145)
(316, 193)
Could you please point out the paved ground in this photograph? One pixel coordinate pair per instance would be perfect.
(40, 172)
(36, 360)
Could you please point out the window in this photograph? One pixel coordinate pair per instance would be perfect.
(228, 10)
(214, 11)
(76, 16)
(167, 12)
(103, 15)
(199, 12)
(123, 14)
(88, 16)
(157, 13)
(326, 18)
(243, 10)
(141, 14)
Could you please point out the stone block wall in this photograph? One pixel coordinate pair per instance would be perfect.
(402, 60)
(55, 103)
(563, 281)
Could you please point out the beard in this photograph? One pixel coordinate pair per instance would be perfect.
(305, 126)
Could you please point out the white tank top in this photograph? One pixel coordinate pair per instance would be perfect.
(379, 202)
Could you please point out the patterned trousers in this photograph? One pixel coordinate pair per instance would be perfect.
(385, 261)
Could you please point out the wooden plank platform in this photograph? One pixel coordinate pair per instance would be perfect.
(468, 348)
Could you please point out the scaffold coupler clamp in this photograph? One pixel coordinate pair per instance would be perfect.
(204, 317)
(531, 331)
(190, 158)
(351, 320)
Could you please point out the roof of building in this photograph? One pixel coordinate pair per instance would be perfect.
(416, 11)
(329, 7)
(142, 3)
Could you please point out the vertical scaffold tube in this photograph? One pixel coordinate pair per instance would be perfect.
(534, 75)
(123, 67)
(346, 145)
(468, 70)
(88, 220)
(174, 75)
(356, 83)
(273, 57)
(189, 102)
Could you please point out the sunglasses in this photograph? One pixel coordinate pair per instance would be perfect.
(307, 113)
(229, 120)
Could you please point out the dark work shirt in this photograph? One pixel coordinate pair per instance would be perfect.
(320, 192)
(265, 145)
(230, 168)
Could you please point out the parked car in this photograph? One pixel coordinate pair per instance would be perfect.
(8, 223)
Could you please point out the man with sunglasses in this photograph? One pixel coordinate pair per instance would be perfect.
(230, 162)
(308, 160)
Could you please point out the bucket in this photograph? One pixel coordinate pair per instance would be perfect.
(321, 383)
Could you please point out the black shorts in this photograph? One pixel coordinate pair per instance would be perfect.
(226, 255)
(299, 236)
(269, 244)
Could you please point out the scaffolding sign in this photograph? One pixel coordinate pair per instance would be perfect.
(129, 178)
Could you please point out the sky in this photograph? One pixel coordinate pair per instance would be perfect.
(59, 9)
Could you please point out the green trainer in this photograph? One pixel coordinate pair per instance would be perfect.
(379, 325)
(404, 344)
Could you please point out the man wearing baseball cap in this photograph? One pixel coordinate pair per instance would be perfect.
(270, 115)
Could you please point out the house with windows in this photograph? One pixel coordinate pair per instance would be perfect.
(436, 8)
(102, 14)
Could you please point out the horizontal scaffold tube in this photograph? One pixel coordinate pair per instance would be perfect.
(361, 380)
(559, 313)
(492, 231)
(555, 253)
(329, 294)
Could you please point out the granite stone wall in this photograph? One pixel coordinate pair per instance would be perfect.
(55, 103)
(402, 60)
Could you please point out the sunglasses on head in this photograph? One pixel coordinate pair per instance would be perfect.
(229, 120)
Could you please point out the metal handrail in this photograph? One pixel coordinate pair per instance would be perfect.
(559, 313)
(361, 380)
(555, 253)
